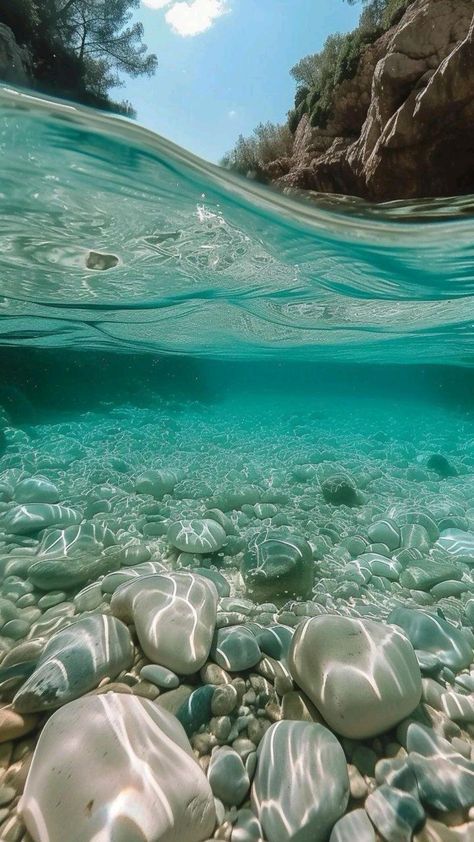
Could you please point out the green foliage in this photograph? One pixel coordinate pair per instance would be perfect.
(80, 47)
(317, 76)
(339, 59)
(250, 155)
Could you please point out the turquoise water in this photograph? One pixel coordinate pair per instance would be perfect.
(267, 401)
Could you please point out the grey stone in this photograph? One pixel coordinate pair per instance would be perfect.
(353, 827)
(228, 776)
(362, 675)
(74, 661)
(397, 815)
(301, 785)
(433, 634)
(235, 649)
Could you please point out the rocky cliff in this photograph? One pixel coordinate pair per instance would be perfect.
(15, 61)
(403, 127)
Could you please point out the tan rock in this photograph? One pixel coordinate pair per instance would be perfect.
(14, 725)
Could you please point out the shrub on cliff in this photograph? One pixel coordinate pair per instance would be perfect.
(250, 155)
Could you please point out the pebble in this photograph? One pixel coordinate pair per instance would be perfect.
(353, 827)
(224, 700)
(301, 785)
(362, 676)
(174, 617)
(160, 676)
(277, 565)
(128, 773)
(235, 649)
(74, 661)
(228, 776)
(433, 634)
(197, 536)
(14, 725)
(397, 815)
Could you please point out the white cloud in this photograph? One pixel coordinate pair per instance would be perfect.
(193, 17)
(156, 4)
(232, 114)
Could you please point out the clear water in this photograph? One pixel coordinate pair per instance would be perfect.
(158, 313)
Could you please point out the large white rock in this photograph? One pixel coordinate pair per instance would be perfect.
(362, 676)
(116, 767)
(301, 785)
(174, 616)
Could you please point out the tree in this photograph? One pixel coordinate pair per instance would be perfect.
(101, 30)
(250, 155)
(79, 48)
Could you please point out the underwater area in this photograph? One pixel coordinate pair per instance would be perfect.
(236, 499)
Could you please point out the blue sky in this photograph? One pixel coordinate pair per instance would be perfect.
(224, 64)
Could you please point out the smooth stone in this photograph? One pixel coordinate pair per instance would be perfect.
(32, 517)
(51, 599)
(112, 581)
(157, 482)
(301, 785)
(277, 565)
(433, 634)
(451, 588)
(221, 583)
(75, 540)
(213, 674)
(269, 643)
(340, 491)
(89, 597)
(197, 536)
(362, 675)
(426, 577)
(397, 815)
(36, 490)
(458, 708)
(444, 777)
(384, 532)
(53, 574)
(196, 710)
(457, 543)
(160, 676)
(228, 776)
(415, 535)
(172, 700)
(440, 465)
(353, 827)
(235, 649)
(74, 661)
(14, 725)
(224, 700)
(128, 775)
(396, 773)
(174, 617)
(246, 827)
(16, 629)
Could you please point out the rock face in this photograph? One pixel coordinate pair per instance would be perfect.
(362, 676)
(301, 786)
(15, 62)
(394, 126)
(123, 769)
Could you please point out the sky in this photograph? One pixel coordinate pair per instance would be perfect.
(224, 65)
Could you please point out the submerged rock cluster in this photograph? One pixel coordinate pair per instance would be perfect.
(207, 635)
